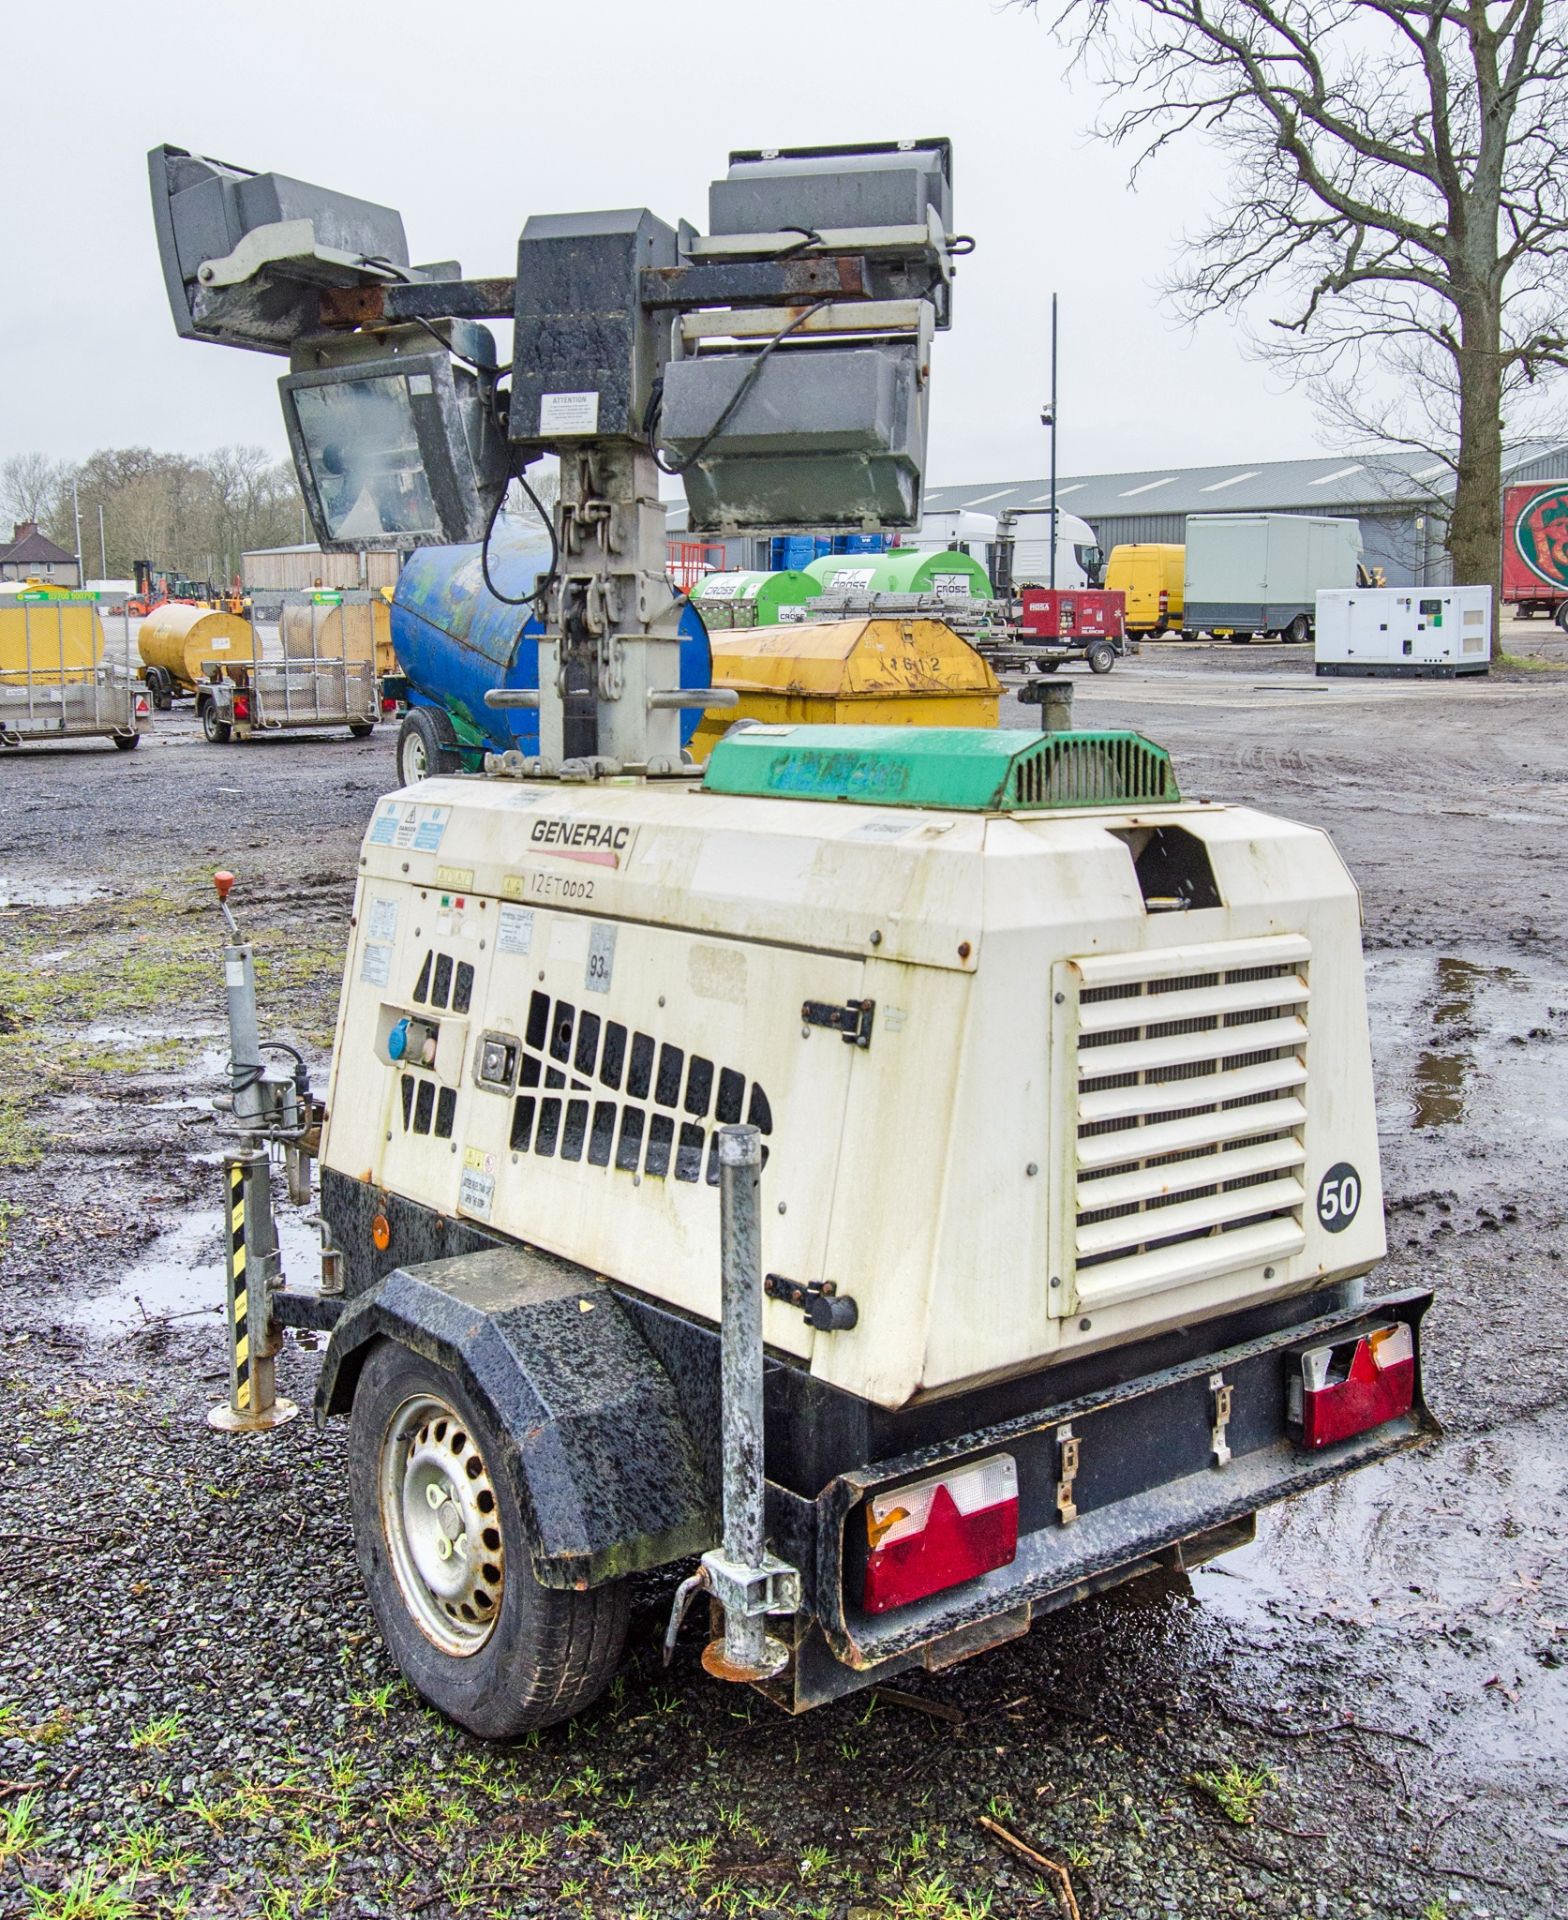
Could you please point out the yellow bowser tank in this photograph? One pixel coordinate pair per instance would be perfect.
(49, 643)
(355, 630)
(185, 641)
(887, 671)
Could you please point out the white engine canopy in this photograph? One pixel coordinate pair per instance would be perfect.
(1002, 1176)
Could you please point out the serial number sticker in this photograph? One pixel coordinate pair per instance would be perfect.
(383, 920)
(559, 886)
(476, 1193)
(883, 829)
(601, 960)
(234, 973)
(569, 413)
(515, 933)
(375, 966)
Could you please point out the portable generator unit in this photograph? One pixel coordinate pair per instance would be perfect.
(921, 1176)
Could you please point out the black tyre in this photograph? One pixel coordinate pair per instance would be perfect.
(1047, 666)
(443, 1550)
(1299, 631)
(160, 685)
(1101, 657)
(362, 729)
(127, 742)
(1561, 616)
(218, 732)
(426, 746)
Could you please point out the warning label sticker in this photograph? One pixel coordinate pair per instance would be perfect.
(568, 413)
(410, 825)
(515, 933)
(375, 966)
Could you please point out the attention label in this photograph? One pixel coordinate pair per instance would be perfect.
(568, 413)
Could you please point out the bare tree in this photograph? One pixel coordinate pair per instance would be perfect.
(29, 486)
(1397, 183)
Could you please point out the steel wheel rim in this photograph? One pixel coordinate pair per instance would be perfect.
(442, 1525)
(416, 762)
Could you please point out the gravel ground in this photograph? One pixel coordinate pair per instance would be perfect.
(1364, 1714)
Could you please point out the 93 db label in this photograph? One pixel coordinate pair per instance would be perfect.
(1339, 1195)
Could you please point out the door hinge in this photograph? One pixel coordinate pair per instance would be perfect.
(852, 1020)
(1220, 1402)
(1067, 1447)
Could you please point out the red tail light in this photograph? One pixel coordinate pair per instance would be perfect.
(1349, 1388)
(388, 704)
(241, 707)
(937, 1532)
(1165, 601)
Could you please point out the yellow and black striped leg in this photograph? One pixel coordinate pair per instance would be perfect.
(253, 1401)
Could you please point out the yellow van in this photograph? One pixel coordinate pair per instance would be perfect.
(1150, 576)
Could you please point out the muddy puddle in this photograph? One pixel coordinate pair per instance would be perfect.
(1451, 1555)
(46, 893)
(180, 1280)
(1468, 1040)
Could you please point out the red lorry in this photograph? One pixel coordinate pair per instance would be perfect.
(1535, 549)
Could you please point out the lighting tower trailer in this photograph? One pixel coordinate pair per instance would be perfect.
(925, 1175)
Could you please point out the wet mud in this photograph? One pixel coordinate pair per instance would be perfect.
(1381, 1671)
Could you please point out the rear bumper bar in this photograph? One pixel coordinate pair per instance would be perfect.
(1148, 1476)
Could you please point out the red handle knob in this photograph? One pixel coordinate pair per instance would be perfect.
(223, 880)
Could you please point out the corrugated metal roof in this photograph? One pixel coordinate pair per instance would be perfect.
(1329, 483)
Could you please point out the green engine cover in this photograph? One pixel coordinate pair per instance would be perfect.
(960, 769)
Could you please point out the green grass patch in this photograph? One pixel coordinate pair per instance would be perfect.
(1529, 663)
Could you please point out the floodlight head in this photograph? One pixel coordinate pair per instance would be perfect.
(246, 255)
(395, 443)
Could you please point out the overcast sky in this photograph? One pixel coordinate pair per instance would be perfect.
(467, 118)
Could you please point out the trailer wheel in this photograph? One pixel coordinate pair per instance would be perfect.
(361, 729)
(160, 684)
(218, 731)
(127, 742)
(1101, 657)
(426, 746)
(443, 1549)
(1561, 616)
(1299, 630)
(1047, 666)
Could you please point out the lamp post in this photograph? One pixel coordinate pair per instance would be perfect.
(1048, 420)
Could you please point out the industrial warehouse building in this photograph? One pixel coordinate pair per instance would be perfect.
(1400, 499)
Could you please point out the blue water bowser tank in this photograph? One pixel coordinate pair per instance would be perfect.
(455, 640)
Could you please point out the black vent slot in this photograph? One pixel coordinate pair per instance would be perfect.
(441, 988)
(628, 1132)
(446, 1112)
(463, 988)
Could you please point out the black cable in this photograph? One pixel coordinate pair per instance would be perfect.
(735, 400)
(463, 359)
(541, 586)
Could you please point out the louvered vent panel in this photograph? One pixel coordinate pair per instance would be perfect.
(1191, 1104)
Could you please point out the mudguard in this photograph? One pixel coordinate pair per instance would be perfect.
(600, 1459)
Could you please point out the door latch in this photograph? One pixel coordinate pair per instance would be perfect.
(851, 1021)
(825, 1308)
(1067, 1446)
(1220, 1402)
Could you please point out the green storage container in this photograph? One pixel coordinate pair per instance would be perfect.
(950, 576)
(753, 599)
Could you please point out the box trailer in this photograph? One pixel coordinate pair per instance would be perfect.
(1250, 573)
(1535, 550)
(1415, 632)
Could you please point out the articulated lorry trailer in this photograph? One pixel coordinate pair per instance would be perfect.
(896, 1180)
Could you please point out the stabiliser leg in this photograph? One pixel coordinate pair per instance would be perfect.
(251, 1258)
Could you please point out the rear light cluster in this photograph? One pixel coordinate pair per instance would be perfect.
(937, 1532)
(241, 707)
(1346, 1388)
